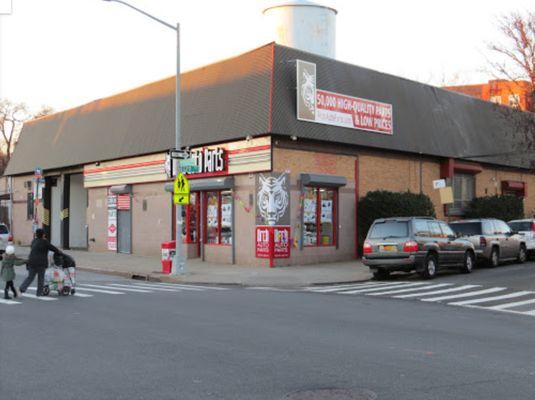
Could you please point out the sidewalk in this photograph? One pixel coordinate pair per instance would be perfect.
(219, 274)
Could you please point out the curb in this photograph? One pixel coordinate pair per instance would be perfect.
(158, 277)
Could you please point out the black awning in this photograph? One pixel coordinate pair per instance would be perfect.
(323, 180)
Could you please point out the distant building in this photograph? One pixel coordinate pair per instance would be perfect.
(514, 94)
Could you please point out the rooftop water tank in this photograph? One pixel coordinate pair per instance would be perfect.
(304, 25)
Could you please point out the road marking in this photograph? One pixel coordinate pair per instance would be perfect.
(10, 302)
(34, 297)
(531, 312)
(189, 287)
(467, 294)
(152, 287)
(75, 295)
(510, 305)
(97, 290)
(410, 289)
(119, 286)
(457, 289)
(327, 289)
(487, 299)
(382, 288)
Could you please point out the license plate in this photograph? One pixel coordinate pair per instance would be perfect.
(388, 248)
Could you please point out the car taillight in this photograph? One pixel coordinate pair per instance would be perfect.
(10, 238)
(410, 246)
(367, 248)
(482, 241)
(533, 229)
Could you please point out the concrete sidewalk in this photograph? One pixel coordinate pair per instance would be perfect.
(219, 274)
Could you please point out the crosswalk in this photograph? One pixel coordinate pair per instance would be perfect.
(497, 298)
(87, 290)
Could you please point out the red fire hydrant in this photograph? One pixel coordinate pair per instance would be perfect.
(168, 251)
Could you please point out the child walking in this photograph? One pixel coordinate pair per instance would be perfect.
(9, 261)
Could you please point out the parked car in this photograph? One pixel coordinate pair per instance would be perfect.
(415, 243)
(526, 229)
(493, 240)
(5, 237)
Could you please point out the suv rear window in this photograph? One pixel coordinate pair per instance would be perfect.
(521, 226)
(389, 229)
(467, 228)
(3, 229)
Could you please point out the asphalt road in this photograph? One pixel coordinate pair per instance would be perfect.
(265, 344)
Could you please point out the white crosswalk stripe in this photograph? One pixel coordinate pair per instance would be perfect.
(412, 289)
(189, 287)
(9, 302)
(41, 298)
(154, 287)
(90, 289)
(468, 296)
(456, 289)
(377, 289)
(493, 298)
(119, 286)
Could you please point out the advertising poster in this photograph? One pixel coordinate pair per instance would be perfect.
(273, 199)
(112, 222)
(263, 247)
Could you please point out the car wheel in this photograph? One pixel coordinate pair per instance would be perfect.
(494, 260)
(430, 267)
(522, 254)
(381, 274)
(469, 262)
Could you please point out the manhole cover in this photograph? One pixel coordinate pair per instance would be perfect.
(332, 394)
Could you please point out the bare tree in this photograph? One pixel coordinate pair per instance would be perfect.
(515, 54)
(12, 118)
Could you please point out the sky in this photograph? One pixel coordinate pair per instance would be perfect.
(64, 53)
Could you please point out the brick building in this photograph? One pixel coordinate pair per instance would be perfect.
(282, 137)
(514, 94)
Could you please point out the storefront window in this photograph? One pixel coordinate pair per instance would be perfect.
(219, 217)
(226, 217)
(463, 191)
(319, 204)
(212, 217)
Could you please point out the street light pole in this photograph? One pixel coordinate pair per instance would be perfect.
(179, 261)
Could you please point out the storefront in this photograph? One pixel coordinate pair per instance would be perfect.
(281, 138)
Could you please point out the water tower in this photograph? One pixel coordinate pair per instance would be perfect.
(304, 25)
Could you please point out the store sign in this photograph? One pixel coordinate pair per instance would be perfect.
(324, 107)
(273, 199)
(209, 161)
(273, 242)
(112, 222)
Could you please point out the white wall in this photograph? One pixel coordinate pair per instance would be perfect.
(77, 212)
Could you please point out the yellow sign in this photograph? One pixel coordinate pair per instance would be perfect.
(181, 190)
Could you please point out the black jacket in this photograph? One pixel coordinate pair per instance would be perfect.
(38, 258)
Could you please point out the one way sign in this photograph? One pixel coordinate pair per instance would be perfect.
(181, 190)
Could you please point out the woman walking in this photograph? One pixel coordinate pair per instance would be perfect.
(38, 261)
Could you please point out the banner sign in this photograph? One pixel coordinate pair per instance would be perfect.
(329, 108)
(112, 222)
(272, 242)
(209, 161)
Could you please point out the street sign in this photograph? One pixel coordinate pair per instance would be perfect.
(181, 190)
(439, 184)
(180, 154)
(188, 166)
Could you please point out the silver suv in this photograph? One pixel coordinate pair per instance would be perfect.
(493, 240)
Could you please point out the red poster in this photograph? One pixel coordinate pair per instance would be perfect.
(281, 241)
(263, 242)
(273, 242)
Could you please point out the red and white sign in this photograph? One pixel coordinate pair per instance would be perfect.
(112, 222)
(353, 112)
(324, 107)
(273, 242)
(123, 202)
